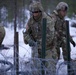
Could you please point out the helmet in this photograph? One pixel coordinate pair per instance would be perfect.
(35, 6)
(62, 6)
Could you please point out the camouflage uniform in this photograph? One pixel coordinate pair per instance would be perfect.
(34, 32)
(2, 34)
(60, 30)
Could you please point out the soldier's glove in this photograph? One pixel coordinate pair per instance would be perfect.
(24, 31)
(31, 43)
(73, 43)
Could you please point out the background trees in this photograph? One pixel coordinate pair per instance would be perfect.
(7, 9)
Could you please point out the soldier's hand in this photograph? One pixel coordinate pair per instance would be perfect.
(31, 43)
(24, 31)
(73, 44)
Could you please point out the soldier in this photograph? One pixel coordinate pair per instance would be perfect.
(60, 28)
(2, 35)
(33, 35)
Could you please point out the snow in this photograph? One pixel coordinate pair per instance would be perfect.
(24, 50)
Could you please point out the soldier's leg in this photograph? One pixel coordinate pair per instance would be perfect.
(65, 52)
(51, 61)
(57, 45)
(58, 50)
(39, 53)
(64, 49)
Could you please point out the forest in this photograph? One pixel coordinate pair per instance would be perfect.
(8, 8)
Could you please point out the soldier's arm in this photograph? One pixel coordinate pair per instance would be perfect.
(26, 36)
(72, 41)
(50, 24)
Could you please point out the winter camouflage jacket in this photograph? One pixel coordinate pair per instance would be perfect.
(34, 31)
(60, 27)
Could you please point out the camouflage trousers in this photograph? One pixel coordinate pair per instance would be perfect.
(62, 43)
(51, 61)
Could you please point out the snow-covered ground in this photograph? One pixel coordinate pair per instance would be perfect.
(25, 50)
